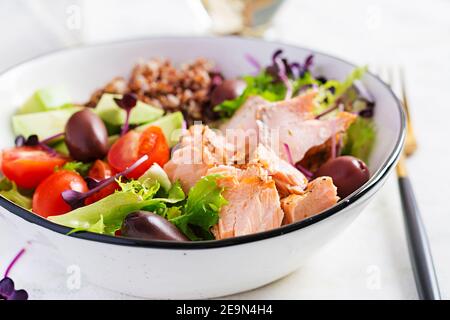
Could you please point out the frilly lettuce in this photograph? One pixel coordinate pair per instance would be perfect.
(194, 216)
(360, 139)
(201, 211)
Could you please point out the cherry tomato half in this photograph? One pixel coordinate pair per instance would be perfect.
(101, 170)
(134, 145)
(29, 166)
(47, 199)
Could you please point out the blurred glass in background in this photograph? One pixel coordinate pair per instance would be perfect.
(244, 17)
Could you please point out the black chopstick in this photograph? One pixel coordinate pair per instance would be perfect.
(419, 248)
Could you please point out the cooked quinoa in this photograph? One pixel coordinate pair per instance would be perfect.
(159, 83)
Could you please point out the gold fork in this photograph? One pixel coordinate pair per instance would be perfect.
(418, 246)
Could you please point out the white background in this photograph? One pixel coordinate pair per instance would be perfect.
(370, 260)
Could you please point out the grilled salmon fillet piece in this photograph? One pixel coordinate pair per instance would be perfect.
(253, 202)
(320, 195)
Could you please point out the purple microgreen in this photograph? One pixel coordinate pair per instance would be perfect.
(76, 199)
(127, 103)
(53, 137)
(289, 68)
(8, 291)
(308, 174)
(327, 111)
(183, 126)
(20, 141)
(289, 154)
(255, 63)
(14, 261)
(276, 55)
(296, 66)
(309, 61)
(91, 182)
(282, 73)
(368, 111)
(297, 165)
(33, 141)
(7, 287)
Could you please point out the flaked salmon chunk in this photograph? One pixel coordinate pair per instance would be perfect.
(298, 132)
(320, 195)
(253, 202)
(200, 149)
(241, 130)
(287, 178)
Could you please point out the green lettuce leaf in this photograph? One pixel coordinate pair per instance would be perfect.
(327, 98)
(263, 85)
(8, 189)
(80, 167)
(201, 211)
(260, 85)
(111, 210)
(360, 139)
(106, 215)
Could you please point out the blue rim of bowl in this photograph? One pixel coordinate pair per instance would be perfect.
(108, 239)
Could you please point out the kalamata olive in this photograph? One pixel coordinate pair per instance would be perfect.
(348, 173)
(86, 136)
(228, 90)
(150, 226)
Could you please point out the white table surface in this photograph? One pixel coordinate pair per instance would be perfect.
(368, 261)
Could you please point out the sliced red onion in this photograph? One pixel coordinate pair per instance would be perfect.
(76, 199)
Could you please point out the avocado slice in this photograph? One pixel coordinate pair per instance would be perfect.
(43, 124)
(109, 111)
(170, 124)
(46, 99)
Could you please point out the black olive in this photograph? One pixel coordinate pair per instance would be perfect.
(150, 226)
(86, 136)
(348, 173)
(228, 90)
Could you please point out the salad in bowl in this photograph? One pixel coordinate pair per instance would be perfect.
(186, 153)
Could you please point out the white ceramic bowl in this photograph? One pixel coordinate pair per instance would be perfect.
(161, 269)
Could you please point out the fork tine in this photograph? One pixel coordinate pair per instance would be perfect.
(411, 141)
(395, 78)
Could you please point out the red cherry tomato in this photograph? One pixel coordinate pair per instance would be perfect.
(29, 166)
(134, 145)
(99, 171)
(47, 199)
